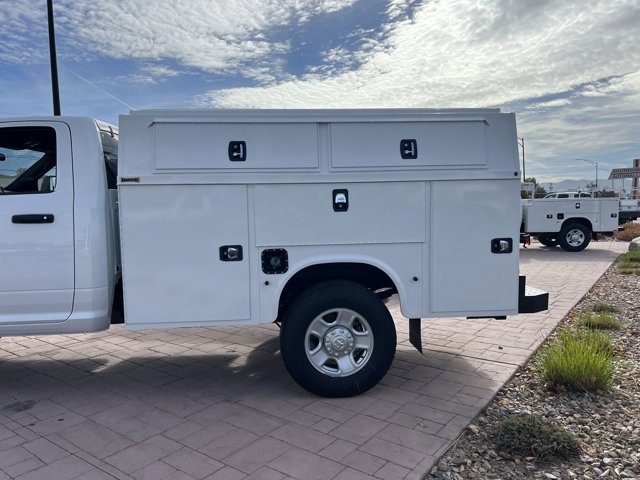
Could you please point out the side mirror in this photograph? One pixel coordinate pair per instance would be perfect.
(2, 157)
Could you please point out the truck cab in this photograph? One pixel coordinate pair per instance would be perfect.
(59, 242)
(569, 195)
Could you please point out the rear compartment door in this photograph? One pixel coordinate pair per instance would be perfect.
(36, 223)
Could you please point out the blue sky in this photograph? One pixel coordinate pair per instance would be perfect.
(570, 69)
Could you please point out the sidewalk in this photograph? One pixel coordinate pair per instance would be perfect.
(218, 403)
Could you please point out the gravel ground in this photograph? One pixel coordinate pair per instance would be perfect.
(607, 424)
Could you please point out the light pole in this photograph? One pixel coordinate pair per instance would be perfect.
(521, 143)
(53, 60)
(595, 164)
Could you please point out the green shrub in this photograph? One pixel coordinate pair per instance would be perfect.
(630, 271)
(529, 436)
(629, 263)
(579, 360)
(601, 321)
(630, 257)
(603, 307)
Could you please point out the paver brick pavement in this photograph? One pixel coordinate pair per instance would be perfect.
(217, 403)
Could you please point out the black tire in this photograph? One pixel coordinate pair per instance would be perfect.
(344, 315)
(574, 237)
(548, 241)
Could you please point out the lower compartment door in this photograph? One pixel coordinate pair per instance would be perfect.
(174, 271)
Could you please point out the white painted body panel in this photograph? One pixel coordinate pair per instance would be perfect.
(466, 216)
(171, 263)
(427, 222)
(37, 280)
(541, 215)
(60, 277)
(401, 263)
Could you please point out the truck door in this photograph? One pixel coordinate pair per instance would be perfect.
(36, 222)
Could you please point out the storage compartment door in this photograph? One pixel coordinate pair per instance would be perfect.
(467, 278)
(172, 267)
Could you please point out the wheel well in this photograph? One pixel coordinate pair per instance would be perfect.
(581, 221)
(367, 275)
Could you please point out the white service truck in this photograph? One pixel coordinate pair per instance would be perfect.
(568, 219)
(307, 218)
(629, 209)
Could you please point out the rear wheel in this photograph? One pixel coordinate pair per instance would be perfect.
(337, 339)
(574, 237)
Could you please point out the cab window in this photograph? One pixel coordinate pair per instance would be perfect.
(109, 139)
(27, 160)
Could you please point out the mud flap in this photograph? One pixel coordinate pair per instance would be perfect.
(415, 333)
(531, 300)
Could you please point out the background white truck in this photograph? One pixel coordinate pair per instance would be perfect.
(306, 218)
(629, 209)
(568, 219)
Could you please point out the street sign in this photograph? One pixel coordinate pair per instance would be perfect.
(625, 173)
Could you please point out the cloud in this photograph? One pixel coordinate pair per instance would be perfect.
(596, 123)
(569, 68)
(468, 53)
(210, 35)
(20, 22)
(149, 74)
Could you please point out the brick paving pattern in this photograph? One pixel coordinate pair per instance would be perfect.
(218, 404)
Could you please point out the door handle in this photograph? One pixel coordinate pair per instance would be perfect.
(33, 218)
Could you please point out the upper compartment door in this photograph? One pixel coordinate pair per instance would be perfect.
(237, 146)
(36, 223)
(409, 144)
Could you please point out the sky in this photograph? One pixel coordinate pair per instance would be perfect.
(569, 69)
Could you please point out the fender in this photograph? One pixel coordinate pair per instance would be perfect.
(270, 310)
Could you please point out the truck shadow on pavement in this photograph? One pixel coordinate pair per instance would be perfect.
(102, 396)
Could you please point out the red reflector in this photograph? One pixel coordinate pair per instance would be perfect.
(527, 240)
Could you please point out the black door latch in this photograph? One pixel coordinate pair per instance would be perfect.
(409, 149)
(237, 151)
(231, 253)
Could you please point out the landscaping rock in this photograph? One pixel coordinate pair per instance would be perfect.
(634, 245)
(606, 423)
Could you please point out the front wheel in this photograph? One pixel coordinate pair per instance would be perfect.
(574, 237)
(337, 339)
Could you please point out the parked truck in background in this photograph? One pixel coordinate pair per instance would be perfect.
(629, 209)
(568, 219)
(310, 219)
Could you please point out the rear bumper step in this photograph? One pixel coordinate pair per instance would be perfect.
(531, 300)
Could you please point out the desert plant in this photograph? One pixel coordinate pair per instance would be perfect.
(629, 263)
(630, 260)
(603, 307)
(600, 321)
(630, 271)
(580, 360)
(631, 231)
(529, 436)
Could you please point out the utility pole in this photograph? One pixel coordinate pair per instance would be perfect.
(595, 164)
(54, 62)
